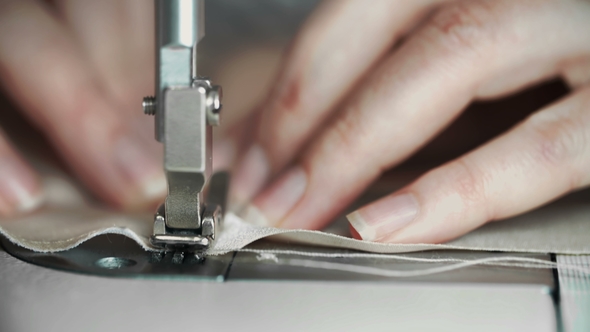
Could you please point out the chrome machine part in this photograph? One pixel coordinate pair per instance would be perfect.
(261, 294)
(186, 107)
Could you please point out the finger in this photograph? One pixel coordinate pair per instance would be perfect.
(543, 158)
(417, 92)
(237, 138)
(46, 73)
(20, 190)
(243, 99)
(336, 47)
(117, 36)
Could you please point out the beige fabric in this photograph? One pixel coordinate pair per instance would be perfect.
(67, 220)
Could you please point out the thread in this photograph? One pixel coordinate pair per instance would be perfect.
(507, 261)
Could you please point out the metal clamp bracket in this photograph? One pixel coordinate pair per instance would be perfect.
(187, 240)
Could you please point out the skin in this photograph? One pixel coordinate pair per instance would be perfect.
(361, 89)
(80, 81)
(354, 100)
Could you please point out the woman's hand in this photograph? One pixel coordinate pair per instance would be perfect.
(79, 69)
(365, 86)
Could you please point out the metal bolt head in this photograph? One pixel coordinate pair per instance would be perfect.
(159, 225)
(214, 95)
(202, 81)
(160, 221)
(210, 225)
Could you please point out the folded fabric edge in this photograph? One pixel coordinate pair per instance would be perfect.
(46, 246)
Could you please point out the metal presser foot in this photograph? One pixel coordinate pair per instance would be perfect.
(185, 222)
(186, 240)
(196, 242)
(186, 107)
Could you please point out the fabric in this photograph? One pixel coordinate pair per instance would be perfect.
(68, 220)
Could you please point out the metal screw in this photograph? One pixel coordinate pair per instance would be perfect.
(149, 105)
(214, 96)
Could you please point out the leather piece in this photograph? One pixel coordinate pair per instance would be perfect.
(68, 219)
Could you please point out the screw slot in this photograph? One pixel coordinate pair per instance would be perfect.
(113, 263)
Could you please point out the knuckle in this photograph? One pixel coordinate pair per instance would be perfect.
(464, 24)
(80, 105)
(560, 143)
(346, 132)
(470, 184)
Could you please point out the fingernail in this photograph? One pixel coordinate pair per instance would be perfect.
(155, 187)
(19, 188)
(141, 168)
(252, 215)
(384, 216)
(280, 198)
(250, 176)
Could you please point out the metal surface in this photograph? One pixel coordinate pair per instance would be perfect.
(187, 155)
(186, 107)
(252, 266)
(181, 241)
(214, 106)
(40, 299)
(191, 240)
(117, 256)
(180, 25)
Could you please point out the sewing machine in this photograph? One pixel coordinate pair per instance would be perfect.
(186, 106)
(109, 283)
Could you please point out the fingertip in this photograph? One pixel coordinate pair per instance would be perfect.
(251, 175)
(353, 233)
(380, 219)
(276, 201)
(20, 188)
(360, 227)
(252, 215)
(153, 191)
(143, 196)
(139, 180)
(30, 202)
(155, 188)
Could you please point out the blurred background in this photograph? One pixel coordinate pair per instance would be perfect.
(244, 45)
(242, 51)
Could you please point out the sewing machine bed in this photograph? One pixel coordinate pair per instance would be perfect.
(94, 288)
